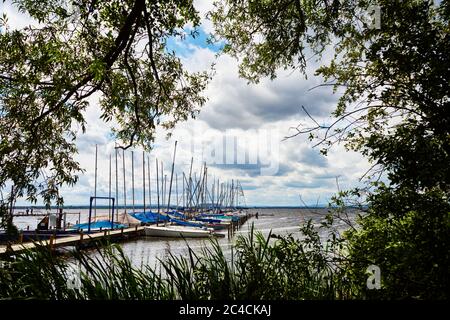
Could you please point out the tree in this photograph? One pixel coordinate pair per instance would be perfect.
(394, 110)
(76, 50)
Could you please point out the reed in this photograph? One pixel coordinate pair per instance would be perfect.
(258, 267)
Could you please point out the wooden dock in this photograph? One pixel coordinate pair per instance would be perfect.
(81, 239)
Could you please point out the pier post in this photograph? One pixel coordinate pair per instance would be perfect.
(52, 238)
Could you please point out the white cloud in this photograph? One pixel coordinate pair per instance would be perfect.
(203, 7)
(237, 109)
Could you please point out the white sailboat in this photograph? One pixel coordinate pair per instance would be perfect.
(174, 231)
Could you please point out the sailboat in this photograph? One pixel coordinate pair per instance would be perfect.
(178, 231)
(177, 228)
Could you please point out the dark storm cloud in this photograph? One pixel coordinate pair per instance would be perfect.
(239, 105)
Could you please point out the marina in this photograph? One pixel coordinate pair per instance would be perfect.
(200, 210)
(146, 250)
(82, 238)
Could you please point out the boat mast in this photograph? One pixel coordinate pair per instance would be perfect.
(157, 182)
(109, 189)
(117, 186)
(143, 176)
(183, 191)
(149, 185)
(162, 185)
(205, 191)
(95, 185)
(213, 190)
(232, 194)
(190, 186)
(218, 195)
(132, 178)
(171, 175)
(124, 183)
(176, 190)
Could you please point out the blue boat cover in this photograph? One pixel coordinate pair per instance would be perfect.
(177, 214)
(187, 223)
(150, 217)
(97, 225)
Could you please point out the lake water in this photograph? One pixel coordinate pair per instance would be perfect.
(147, 250)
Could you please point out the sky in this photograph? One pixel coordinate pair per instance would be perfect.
(239, 133)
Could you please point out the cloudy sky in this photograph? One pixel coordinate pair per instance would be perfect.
(239, 134)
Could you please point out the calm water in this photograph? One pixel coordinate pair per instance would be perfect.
(147, 250)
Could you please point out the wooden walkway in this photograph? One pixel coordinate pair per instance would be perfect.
(80, 239)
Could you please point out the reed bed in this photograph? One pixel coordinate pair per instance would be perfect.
(259, 267)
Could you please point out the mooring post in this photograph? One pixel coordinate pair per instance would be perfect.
(95, 185)
(90, 213)
(21, 237)
(112, 214)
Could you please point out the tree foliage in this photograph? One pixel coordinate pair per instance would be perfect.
(393, 109)
(74, 52)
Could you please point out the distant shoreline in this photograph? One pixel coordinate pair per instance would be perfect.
(155, 207)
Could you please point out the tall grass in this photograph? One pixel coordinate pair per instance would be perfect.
(271, 267)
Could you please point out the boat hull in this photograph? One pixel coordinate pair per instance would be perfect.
(176, 232)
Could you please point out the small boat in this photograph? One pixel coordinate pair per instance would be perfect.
(150, 217)
(97, 225)
(216, 224)
(192, 224)
(173, 231)
(222, 217)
